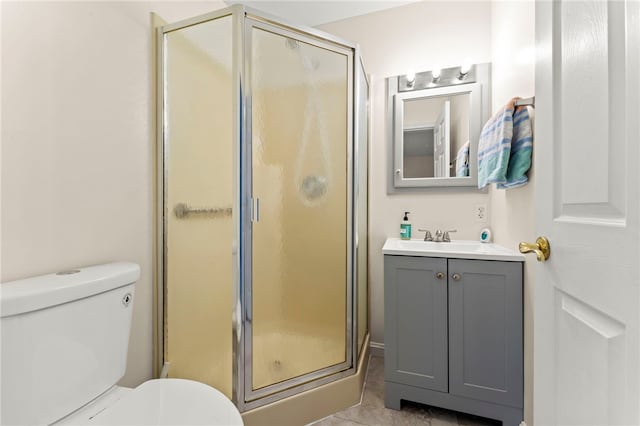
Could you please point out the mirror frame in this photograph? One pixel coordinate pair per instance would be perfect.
(478, 89)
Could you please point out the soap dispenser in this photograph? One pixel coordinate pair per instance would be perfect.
(405, 227)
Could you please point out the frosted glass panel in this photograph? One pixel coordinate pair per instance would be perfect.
(199, 174)
(300, 140)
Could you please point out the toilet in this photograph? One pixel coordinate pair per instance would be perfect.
(64, 347)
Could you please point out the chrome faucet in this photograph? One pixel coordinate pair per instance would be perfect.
(427, 234)
(446, 238)
(443, 236)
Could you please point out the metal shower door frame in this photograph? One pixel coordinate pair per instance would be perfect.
(360, 76)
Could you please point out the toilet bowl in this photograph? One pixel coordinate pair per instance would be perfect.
(64, 347)
(158, 402)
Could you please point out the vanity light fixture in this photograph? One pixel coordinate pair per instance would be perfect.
(411, 78)
(464, 70)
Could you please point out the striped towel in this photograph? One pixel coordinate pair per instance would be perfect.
(521, 147)
(504, 149)
(494, 147)
(462, 161)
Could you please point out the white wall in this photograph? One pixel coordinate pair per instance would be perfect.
(77, 143)
(512, 219)
(419, 36)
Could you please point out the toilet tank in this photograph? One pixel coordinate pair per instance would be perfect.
(64, 340)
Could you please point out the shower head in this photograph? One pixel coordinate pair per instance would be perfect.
(291, 43)
(308, 63)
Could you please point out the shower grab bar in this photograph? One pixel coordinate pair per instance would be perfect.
(182, 210)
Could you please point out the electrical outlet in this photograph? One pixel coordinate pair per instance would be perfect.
(480, 212)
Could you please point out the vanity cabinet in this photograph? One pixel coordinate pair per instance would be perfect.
(454, 335)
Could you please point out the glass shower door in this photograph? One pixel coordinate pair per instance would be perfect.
(301, 280)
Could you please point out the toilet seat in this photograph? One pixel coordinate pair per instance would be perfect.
(169, 402)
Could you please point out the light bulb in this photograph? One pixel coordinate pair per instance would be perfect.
(411, 78)
(435, 74)
(464, 69)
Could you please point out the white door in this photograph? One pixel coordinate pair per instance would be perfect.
(441, 135)
(587, 299)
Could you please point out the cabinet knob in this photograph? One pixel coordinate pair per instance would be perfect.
(456, 277)
(440, 275)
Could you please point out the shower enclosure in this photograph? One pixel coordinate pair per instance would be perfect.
(262, 218)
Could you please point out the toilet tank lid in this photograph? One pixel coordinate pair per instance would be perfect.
(31, 294)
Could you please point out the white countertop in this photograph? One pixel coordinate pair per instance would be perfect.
(457, 249)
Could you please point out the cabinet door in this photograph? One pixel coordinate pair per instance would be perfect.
(415, 331)
(485, 330)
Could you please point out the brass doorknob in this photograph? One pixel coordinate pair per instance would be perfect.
(541, 248)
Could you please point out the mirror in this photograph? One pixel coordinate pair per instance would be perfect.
(435, 130)
(435, 125)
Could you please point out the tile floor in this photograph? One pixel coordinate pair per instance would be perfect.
(372, 412)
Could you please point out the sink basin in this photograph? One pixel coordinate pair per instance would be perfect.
(459, 249)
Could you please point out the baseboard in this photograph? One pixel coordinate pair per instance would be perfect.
(377, 349)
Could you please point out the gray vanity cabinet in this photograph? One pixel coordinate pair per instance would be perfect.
(455, 342)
